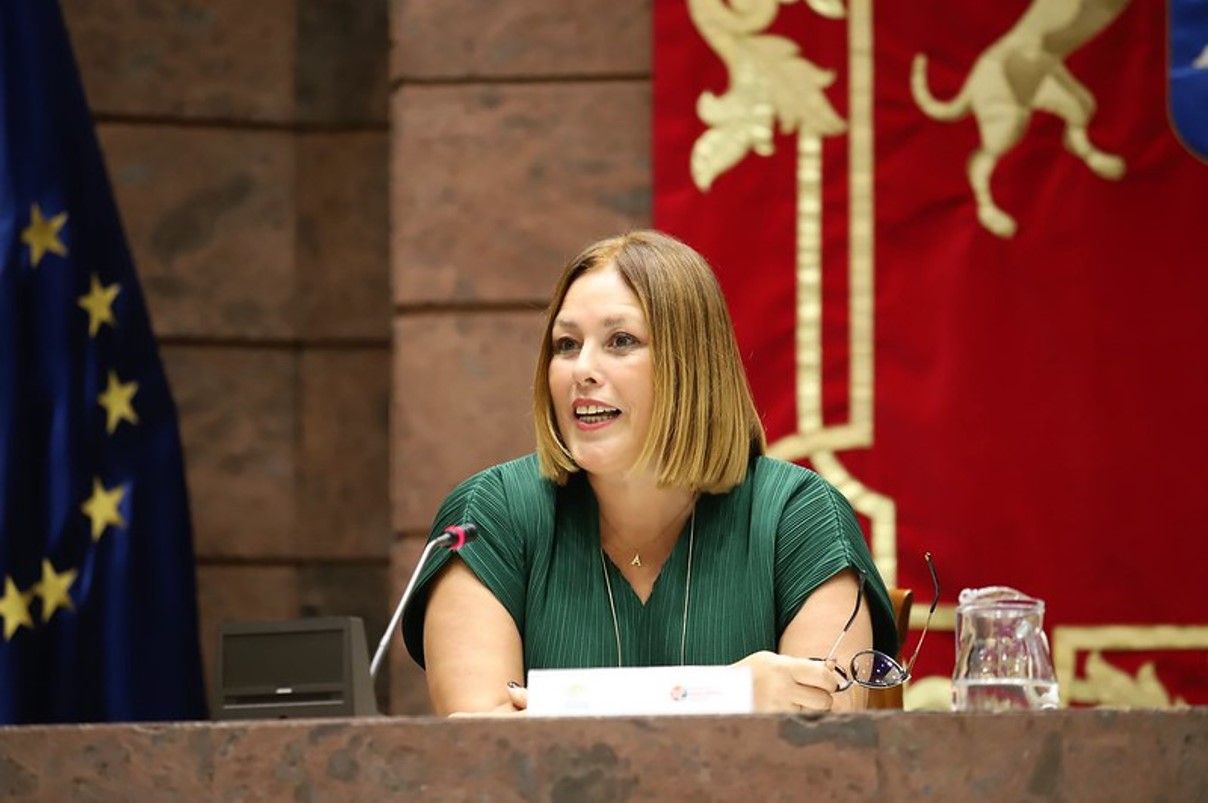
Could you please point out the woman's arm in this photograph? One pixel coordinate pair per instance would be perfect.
(471, 646)
(792, 679)
(814, 629)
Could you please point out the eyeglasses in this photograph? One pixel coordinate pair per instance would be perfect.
(874, 669)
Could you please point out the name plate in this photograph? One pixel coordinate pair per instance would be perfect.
(637, 691)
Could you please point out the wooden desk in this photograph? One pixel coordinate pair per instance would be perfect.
(1067, 755)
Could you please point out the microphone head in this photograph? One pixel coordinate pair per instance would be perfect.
(459, 535)
(470, 532)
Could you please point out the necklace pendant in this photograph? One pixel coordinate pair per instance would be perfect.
(637, 560)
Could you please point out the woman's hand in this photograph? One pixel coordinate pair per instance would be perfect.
(518, 697)
(785, 683)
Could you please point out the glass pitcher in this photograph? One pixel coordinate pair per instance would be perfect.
(1002, 654)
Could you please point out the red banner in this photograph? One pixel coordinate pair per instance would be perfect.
(968, 264)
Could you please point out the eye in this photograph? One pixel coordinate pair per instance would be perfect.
(565, 345)
(623, 340)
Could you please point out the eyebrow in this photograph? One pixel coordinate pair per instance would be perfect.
(607, 323)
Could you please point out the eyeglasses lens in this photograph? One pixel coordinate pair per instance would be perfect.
(874, 668)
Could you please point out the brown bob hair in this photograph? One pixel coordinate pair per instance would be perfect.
(704, 426)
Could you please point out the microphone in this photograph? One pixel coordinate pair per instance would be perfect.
(453, 538)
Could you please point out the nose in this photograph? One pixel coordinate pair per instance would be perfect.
(586, 368)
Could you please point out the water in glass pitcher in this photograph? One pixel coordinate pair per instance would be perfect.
(1003, 694)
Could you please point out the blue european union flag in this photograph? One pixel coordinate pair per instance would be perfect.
(1189, 73)
(98, 607)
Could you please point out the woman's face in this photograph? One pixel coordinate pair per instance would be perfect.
(601, 374)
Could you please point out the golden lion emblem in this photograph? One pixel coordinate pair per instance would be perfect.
(1024, 70)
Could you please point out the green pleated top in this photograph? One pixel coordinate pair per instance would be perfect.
(758, 552)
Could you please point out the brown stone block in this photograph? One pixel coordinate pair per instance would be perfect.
(240, 593)
(471, 38)
(356, 589)
(343, 242)
(462, 393)
(237, 423)
(342, 61)
(226, 59)
(408, 685)
(343, 499)
(209, 217)
(495, 187)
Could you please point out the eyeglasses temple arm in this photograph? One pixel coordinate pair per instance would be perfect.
(859, 598)
(935, 600)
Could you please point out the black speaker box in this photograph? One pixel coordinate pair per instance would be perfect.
(293, 669)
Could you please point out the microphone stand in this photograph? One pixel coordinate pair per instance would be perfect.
(453, 537)
(398, 611)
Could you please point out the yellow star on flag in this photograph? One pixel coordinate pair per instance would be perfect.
(42, 235)
(14, 607)
(53, 589)
(98, 303)
(101, 508)
(118, 402)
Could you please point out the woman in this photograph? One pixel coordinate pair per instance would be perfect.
(648, 529)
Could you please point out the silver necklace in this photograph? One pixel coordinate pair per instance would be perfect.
(612, 605)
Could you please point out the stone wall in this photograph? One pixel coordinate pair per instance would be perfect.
(248, 148)
(519, 133)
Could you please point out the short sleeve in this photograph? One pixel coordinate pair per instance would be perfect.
(496, 556)
(818, 537)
